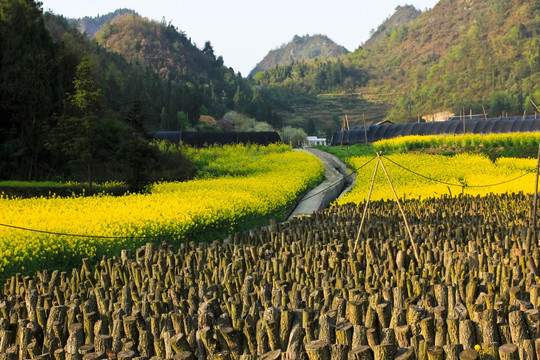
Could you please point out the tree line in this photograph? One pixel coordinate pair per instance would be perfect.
(69, 105)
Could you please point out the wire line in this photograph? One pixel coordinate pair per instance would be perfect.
(453, 184)
(167, 235)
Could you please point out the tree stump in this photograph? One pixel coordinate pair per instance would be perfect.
(518, 327)
(383, 352)
(339, 352)
(362, 352)
(435, 353)
(318, 350)
(452, 351)
(468, 354)
(467, 336)
(508, 352)
(406, 353)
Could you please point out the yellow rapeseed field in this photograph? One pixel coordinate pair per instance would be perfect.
(239, 183)
(467, 171)
(516, 141)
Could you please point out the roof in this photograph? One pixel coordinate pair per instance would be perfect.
(200, 139)
(451, 127)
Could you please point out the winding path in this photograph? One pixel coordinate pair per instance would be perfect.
(338, 181)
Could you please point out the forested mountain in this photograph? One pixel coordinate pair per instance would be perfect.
(169, 53)
(91, 25)
(69, 105)
(300, 48)
(460, 54)
(402, 16)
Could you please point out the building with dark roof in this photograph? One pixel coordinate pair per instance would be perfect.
(375, 132)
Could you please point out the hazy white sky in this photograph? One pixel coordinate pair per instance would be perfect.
(243, 31)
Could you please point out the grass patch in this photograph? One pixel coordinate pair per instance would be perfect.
(29, 189)
(346, 152)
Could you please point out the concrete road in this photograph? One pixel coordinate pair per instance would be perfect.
(337, 180)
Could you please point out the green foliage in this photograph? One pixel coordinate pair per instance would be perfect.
(29, 189)
(300, 48)
(241, 122)
(502, 101)
(293, 136)
(29, 91)
(313, 77)
(346, 152)
(457, 55)
(195, 81)
(63, 96)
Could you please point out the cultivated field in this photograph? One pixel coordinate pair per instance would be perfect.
(301, 290)
(423, 176)
(466, 286)
(235, 184)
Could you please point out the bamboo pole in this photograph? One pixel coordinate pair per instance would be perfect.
(535, 204)
(365, 129)
(400, 209)
(367, 204)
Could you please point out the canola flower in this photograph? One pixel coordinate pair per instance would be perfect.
(244, 182)
(417, 142)
(465, 170)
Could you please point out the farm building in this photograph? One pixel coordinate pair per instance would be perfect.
(375, 132)
(200, 139)
(314, 141)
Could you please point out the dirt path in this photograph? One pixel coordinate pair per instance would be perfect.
(337, 181)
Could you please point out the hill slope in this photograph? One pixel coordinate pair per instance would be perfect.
(300, 48)
(91, 25)
(172, 55)
(402, 15)
(461, 54)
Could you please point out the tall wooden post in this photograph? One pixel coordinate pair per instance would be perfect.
(342, 131)
(534, 106)
(536, 191)
(367, 203)
(365, 129)
(485, 115)
(400, 209)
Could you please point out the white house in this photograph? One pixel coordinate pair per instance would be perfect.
(314, 141)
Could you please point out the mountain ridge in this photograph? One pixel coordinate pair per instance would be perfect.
(304, 47)
(402, 15)
(91, 25)
(459, 55)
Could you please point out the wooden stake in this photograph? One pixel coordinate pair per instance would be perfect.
(347, 120)
(342, 131)
(534, 105)
(470, 114)
(365, 129)
(536, 191)
(367, 203)
(485, 115)
(524, 113)
(400, 209)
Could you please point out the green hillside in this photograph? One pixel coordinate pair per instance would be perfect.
(169, 53)
(69, 105)
(402, 16)
(459, 55)
(91, 25)
(300, 48)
